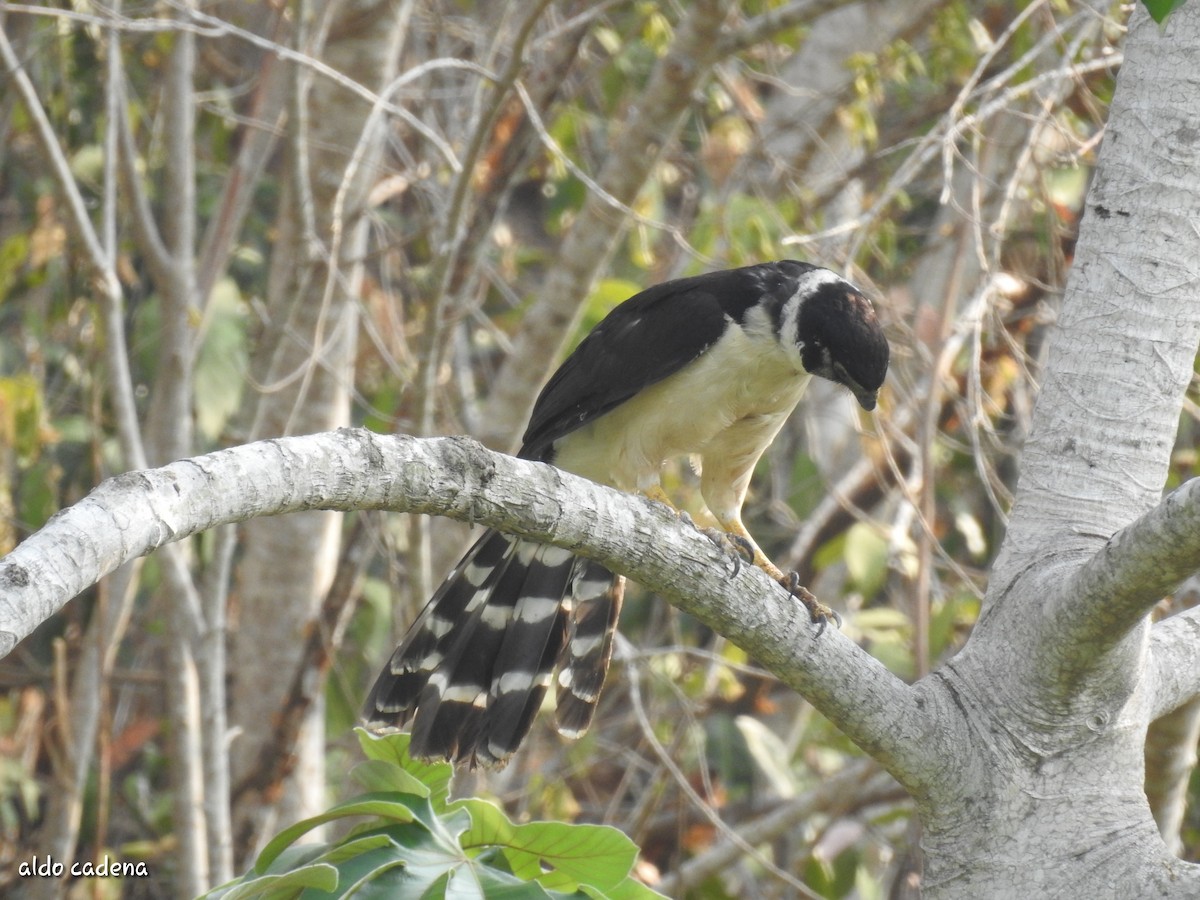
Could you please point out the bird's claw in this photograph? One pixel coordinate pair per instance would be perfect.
(734, 544)
(818, 611)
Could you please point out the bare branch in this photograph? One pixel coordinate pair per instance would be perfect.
(1136, 567)
(768, 24)
(321, 68)
(133, 514)
(141, 216)
(108, 286)
(666, 759)
(595, 231)
(860, 782)
(453, 229)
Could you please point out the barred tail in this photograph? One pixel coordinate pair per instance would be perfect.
(596, 594)
(473, 669)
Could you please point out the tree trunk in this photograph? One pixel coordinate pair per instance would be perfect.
(287, 565)
(1052, 696)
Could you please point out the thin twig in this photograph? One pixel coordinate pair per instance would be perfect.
(685, 787)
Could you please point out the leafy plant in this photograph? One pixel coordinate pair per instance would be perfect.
(415, 842)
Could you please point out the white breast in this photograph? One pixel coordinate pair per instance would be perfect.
(726, 407)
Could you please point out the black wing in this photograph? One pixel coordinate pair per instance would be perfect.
(643, 340)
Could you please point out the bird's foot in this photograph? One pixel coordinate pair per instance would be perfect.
(739, 548)
(820, 613)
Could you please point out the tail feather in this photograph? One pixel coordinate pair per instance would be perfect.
(471, 673)
(448, 717)
(397, 691)
(524, 664)
(597, 594)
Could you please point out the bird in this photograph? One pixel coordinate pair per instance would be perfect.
(707, 367)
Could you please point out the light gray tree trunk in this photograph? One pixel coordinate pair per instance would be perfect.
(316, 270)
(1058, 683)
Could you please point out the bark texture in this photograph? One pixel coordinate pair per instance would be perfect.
(1055, 690)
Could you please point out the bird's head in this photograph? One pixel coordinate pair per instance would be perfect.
(840, 338)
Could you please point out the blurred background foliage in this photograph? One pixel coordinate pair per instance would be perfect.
(937, 152)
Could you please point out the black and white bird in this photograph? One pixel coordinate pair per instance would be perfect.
(708, 367)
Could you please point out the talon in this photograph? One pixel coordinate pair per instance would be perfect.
(735, 545)
(817, 611)
(742, 547)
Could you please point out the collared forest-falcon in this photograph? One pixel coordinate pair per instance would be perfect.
(709, 367)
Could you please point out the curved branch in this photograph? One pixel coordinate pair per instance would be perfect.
(352, 469)
(1175, 661)
(1112, 591)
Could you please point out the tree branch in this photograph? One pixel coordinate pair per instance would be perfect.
(107, 285)
(1114, 589)
(1119, 363)
(1175, 661)
(133, 514)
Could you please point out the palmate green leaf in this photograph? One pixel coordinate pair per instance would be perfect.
(433, 777)
(387, 805)
(307, 866)
(558, 855)
(321, 876)
(425, 864)
(415, 845)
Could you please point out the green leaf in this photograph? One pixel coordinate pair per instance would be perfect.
(595, 855)
(866, 557)
(393, 748)
(629, 889)
(222, 361)
(770, 753)
(607, 293)
(21, 415)
(377, 775)
(1160, 9)
(13, 253)
(422, 863)
(321, 876)
(411, 847)
(390, 806)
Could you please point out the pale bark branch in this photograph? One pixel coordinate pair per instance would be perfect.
(169, 436)
(1119, 362)
(1175, 661)
(1138, 565)
(133, 514)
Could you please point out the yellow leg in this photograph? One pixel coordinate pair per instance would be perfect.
(655, 492)
(820, 613)
(735, 526)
